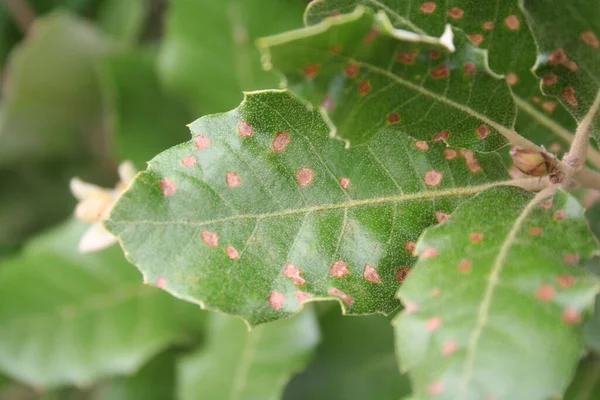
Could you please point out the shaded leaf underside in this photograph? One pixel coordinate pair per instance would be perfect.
(262, 211)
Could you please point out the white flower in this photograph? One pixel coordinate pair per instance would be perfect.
(94, 206)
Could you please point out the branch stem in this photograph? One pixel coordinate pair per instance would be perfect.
(22, 13)
(579, 146)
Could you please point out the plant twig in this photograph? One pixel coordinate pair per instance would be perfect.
(533, 184)
(577, 153)
(587, 178)
(22, 13)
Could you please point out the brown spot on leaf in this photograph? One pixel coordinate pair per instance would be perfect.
(512, 22)
(512, 78)
(488, 25)
(433, 177)
(441, 71)
(571, 316)
(450, 154)
(339, 269)
(302, 296)
(471, 161)
(536, 230)
(304, 176)
(549, 106)
(311, 70)
(337, 292)
(455, 13)
(351, 70)
(407, 58)
(160, 282)
(410, 247)
(370, 274)
(571, 258)
(371, 35)
(232, 179)
(280, 141)
(167, 186)
(245, 129)
(433, 323)
(210, 238)
(393, 118)
(335, 49)
(475, 237)
(559, 215)
(293, 272)
(535, 99)
(344, 182)
(549, 79)
(328, 103)
(434, 54)
(429, 252)
(335, 13)
(482, 131)
(421, 145)
(589, 38)
(441, 216)
(476, 38)
(232, 252)
(469, 68)
(276, 300)
(435, 292)
(201, 142)
(449, 347)
(443, 135)
(557, 57)
(364, 87)
(464, 265)
(410, 308)
(401, 274)
(428, 7)
(547, 204)
(565, 281)
(545, 292)
(568, 93)
(188, 161)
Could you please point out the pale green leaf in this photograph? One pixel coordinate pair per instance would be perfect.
(74, 318)
(495, 305)
(235, 364)
(366, 75)
(218, 219)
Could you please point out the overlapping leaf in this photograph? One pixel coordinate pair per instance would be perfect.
(568, 37)
(262, 210)
(239, 365)
(354, 361)
(368, 75)
(208, 53)
(76, 318)
(586, 382)
(495, 304)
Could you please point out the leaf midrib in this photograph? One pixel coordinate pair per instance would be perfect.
(453, 192)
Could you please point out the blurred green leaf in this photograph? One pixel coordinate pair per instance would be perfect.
(76, 318)
(495, 304)
(51, 103)
(355, 361)
(123, 20)
(144, 120)
(262, 210)
(208, 53)
(236, 364)
(586, 383)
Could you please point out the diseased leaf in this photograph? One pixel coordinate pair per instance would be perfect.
(495, 304)
(236, 364)
(208, 54)
(76, 318)
(501, 28)
(586, 383)
(133, 93)
(367, 75)
(261, 211)
(354, 361)
(568, 35)
(46, 112)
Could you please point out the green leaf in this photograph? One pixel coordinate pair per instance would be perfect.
(133, 93)
(586, 384)
(208, 54)
(262, 210)
(76, 318)
(236, 364)
(496, 299)
(368, 76)
(355, 361)
(52, 96)
(123, 20)
(568, 35)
